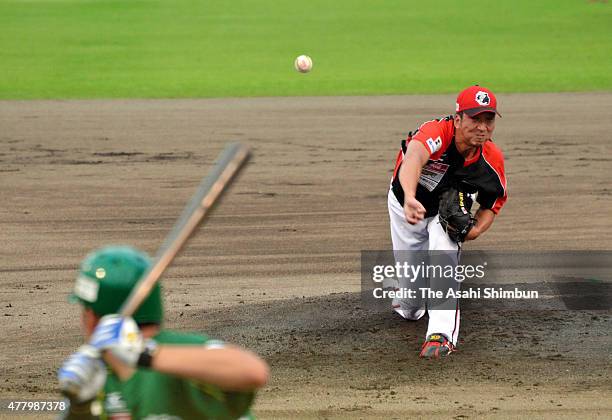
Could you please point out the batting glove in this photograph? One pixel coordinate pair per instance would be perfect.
(121, 336)
(82, 375)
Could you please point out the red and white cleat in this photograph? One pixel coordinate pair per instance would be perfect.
(436, 346)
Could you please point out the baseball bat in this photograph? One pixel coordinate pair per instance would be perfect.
(227, 166)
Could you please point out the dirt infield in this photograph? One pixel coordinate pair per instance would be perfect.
(277, 266)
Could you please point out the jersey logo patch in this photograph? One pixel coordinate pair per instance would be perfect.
(482, 98)
(434, 145)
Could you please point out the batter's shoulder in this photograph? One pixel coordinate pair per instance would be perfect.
(175, 337)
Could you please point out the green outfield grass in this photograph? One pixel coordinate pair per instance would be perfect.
(180, 48)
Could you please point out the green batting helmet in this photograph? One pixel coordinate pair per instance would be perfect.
(106, 279)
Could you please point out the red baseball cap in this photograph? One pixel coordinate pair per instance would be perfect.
(476, 100)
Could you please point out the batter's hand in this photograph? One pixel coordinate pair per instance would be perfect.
(413, 210)
(121, 336)
(82, 375)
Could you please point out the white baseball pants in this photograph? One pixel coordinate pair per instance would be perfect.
(426, 235)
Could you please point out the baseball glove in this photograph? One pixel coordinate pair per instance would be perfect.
(454, 212)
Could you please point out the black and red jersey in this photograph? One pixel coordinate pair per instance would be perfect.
(483, 174)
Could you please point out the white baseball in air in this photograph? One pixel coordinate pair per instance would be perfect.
(303, 64)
